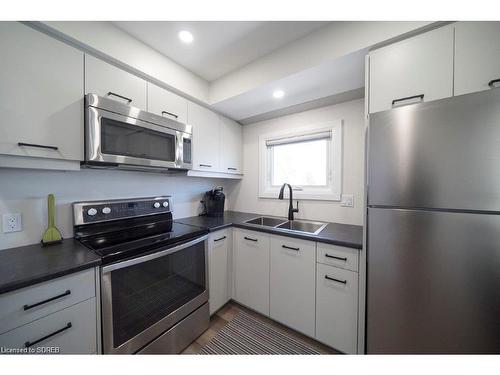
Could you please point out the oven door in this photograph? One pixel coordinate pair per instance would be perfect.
(145, 296)
(117, 139)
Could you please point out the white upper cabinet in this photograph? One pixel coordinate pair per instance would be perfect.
(477, 56)
(41, 95)
(206, 138)
(231, 146)
(413, 70)
(293, 282)
(166, 103)
(109, 81)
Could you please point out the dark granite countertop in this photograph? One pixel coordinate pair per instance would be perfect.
(334, 233)
(32, 264)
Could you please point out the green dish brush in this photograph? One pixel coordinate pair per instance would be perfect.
(52, 234)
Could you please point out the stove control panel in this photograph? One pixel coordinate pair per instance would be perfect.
(98, 211)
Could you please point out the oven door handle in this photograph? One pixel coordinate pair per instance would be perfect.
(158, 254)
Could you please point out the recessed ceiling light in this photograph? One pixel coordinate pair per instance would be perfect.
(278, 94)
(185, 36)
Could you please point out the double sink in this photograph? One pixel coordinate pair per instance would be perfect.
(309, 227)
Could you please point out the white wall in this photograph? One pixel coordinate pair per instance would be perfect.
(244, 196)
(25, 191)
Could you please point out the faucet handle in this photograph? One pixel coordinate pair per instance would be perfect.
(296, 209)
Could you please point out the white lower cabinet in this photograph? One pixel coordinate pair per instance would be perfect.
(251, 269)
(71, 330)
(219, 248)
(292, 283)
(337, 308)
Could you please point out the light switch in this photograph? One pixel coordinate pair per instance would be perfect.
(347, 200)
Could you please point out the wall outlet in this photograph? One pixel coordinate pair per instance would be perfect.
(12, 223)
(347, 200)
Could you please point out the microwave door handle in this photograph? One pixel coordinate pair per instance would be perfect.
(146, 258)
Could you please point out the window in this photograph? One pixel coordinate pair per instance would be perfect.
(309, 160)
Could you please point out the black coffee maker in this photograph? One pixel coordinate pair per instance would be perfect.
(214, 202)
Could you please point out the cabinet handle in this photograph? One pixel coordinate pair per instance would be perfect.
(206, 165)
(336, 280)
(120, 96)
(220, 239)
(66, 293)
(27, 344)
(250, 239)
(21, 144)
(232, 169)
(290, 248)
(421, 97)
(169, 114)
(334, 257)
(492, 82)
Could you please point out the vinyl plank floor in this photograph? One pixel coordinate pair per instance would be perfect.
(222, 317)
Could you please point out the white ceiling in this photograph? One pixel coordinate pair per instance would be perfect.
(332, 77)
(219, 47)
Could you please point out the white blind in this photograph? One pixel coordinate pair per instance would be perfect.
(299, 138)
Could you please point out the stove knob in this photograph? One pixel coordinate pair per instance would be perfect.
(106, 210)
(91, 212)
(165, 204)
(156, 205)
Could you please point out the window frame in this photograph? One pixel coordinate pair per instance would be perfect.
(332, 191)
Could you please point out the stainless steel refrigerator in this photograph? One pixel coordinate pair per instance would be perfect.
(433, 227)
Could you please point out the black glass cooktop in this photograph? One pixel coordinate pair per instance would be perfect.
(126, 238)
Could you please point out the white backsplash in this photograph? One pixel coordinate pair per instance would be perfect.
(25, 191)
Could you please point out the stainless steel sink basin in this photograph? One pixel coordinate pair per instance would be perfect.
(311, 227)
(266, 221)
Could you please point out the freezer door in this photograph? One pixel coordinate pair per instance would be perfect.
(441, 154)
(433, 282)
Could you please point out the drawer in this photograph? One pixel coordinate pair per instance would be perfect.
(72, 330)
(338, 256)
(46, 298)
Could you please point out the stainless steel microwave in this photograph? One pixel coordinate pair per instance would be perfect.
(121, 136)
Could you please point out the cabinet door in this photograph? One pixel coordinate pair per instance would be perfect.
(336, 308)
(292, 283)
(166, 103)
(109, 81)
(251, 270)
(41, 95)
(477, 56)
(218, 249)
(206, 138)
(422, 65)
(231, 146)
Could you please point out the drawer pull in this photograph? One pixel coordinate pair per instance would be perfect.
(251, 239)
(421, 97)
(220, 239)
(27, 344)
(334, 257)
(290, 248)
(206, 165)
(232, 169)
(493, 81)
(66, 293)
(21, 144)
(169, 114)
(120, 96)
(336, 280)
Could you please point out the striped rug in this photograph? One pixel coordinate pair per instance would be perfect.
(247, 335)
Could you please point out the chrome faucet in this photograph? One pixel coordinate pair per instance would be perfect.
(291, 210)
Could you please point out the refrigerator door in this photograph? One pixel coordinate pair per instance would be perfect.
(433, 282)
(441, 154)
